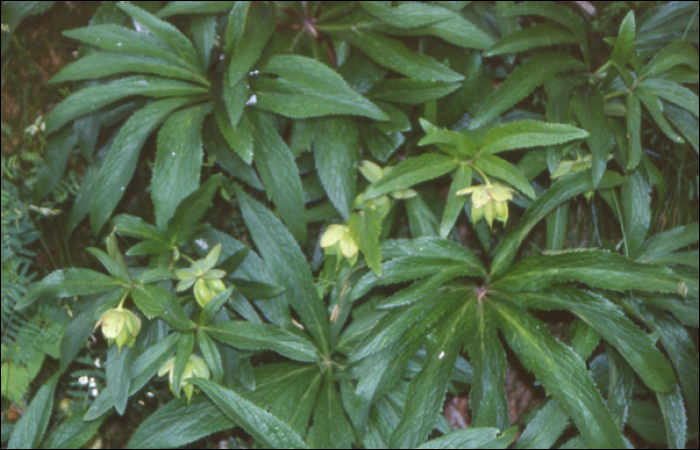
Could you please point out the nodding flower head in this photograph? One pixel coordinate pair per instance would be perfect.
(489, 201)
(195, 367)
(120, 326)
(337, 237)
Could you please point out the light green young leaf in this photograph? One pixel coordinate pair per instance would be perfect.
(393, 55)
(30, 428)
(365, 227)
(256, 336)
(119, 166)
(287, 265)
(165, 32)
(178, 424)
(558, 193)
(92, 98)
(474, 438)
(675, 54)
(624, 45)
(528, 133)
(68, 283)
(267, 429)
(336, 145)
(608, 320)
(522, 82)
(410, 91)
(562, 373)
(499, 168)
(178, 162)
(593, 267)
(542, 35)
(412, 171)
(279, 173)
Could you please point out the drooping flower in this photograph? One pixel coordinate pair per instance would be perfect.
(195, 367)
(337, 237)
(382, 204)
(489, 201)
(207, 280)
(120, 326)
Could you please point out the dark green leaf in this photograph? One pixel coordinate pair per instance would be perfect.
(136, 227)
(528, 133)
(668, 241)
(589, 107)
(655, 107)
(393, 55)
(596, 268)
(263, 426)
(673, 412)
(72, 433)
(487, 398)
(558, 193)
(256, 336)
(212, 308)
(92, 98)
(562, 373)
(636, 211)
(111, 265)
(121, 160)
(154, 301)
(413, 92)
(553, 11)
(545, 427)
(331, 429)
(522, 82)
(674, 93)
(412, 171)
(279, 174)
(624, 45)
(190, 211)
(608, 320)
(308, 88)
(178, 162)
(178, 424)
(634, 132)
(180, 7)
(542, 35)
(252, 33)
(53, 167)
(255, 290)
(336, 145)
(407, 15)
(68, 283)
(118, 371)
(30, 428)
(102, 64)
(675, 54)
(474, 438)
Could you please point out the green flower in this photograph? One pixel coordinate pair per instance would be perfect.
(382, 204)
(120, 326)
(206, 280)
(489, 201)
(337, 237)
(195, 367)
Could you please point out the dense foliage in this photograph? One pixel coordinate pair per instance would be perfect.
(408, 199)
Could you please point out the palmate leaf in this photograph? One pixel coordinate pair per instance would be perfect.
(263, 426)
(119, 166)
(562, 373)
(593, 267)
(608, 320)
(558, 193)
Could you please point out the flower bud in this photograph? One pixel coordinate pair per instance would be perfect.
(202, 293)
(120, 326)
(216, 285)
(195, 367)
